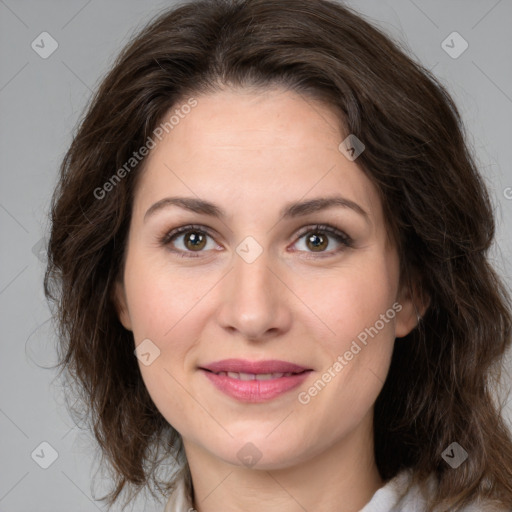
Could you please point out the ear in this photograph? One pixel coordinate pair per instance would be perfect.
(121, 306)
(414, 302)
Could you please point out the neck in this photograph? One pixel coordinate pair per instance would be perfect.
(341, 478)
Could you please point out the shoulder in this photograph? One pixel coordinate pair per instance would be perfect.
(180, 500)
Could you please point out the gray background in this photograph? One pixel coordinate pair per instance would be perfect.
(42, 99)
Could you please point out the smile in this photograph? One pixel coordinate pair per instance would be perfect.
(255, 376)
(255, 388)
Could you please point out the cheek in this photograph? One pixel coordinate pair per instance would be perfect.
(352, 299)
(168, 309)
(161, 313)
(359, 309)
(158, 296)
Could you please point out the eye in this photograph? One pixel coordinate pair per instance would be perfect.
(318, 238)
(187, 240)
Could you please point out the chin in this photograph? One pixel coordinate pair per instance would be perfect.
(261, 452)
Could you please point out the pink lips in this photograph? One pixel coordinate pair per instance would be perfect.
(242, 365)
(255, 381)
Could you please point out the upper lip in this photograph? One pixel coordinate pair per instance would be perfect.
(256, 367)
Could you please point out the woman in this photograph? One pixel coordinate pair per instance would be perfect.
(269, 258)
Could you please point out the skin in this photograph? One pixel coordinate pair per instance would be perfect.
(252, 153)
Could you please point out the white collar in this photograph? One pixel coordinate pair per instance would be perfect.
(394, 496)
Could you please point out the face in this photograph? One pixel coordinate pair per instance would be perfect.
(269, 275)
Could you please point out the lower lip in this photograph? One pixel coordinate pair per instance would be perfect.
(255, 390)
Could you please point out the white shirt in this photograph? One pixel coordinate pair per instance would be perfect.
(392, 497)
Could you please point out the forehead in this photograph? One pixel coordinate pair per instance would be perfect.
(238, 143)
(273, 117)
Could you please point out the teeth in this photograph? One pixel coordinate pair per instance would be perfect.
(267, 376)
(253, 376)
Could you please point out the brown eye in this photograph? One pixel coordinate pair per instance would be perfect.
(323, 239)
(194, 240)
(188, 241)
(317, 242)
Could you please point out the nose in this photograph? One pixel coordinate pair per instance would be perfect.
(254, 300)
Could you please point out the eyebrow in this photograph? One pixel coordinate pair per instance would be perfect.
(291, 210)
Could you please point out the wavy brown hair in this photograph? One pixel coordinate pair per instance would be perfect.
(443, 376)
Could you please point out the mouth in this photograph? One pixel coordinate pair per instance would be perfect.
(255, 376)
(254, 381)
(272, 366)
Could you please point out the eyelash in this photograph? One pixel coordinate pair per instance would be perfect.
(338, 235)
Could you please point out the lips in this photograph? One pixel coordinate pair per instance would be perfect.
(254, 381)
(254, 367)
(255, 376)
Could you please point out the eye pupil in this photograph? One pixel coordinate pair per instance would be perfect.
(195, 240)
(318, 242)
